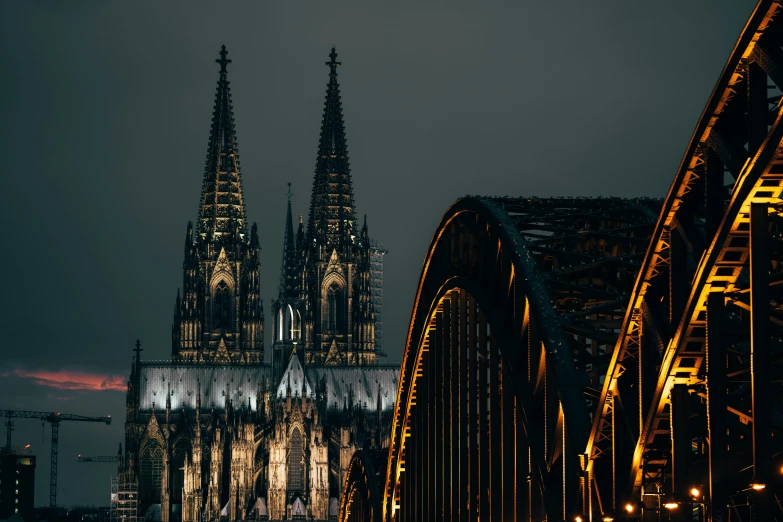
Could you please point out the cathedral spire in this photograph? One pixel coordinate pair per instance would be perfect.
(288, 265)
(222, 207)
(332, 212)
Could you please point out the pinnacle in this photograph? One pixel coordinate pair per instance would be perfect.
(288, 278)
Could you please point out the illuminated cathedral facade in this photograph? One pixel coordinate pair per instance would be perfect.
(217, 432)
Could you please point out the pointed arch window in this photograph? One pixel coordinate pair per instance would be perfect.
(151, 471)
(280, 324)
(334, 309)
(222, 306)
(295, 462)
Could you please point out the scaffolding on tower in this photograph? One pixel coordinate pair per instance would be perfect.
(124, 499)
(376, 288)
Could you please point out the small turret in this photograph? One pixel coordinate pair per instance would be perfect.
(289, 280)
(254, 243)
(189, 239)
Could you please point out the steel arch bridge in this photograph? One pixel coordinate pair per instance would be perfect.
(576, 357)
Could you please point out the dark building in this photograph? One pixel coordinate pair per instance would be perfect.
(17, 484)
(218, 432)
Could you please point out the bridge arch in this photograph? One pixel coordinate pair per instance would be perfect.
(706, 299)
(567, 356)
(491, 417)
(362, 496)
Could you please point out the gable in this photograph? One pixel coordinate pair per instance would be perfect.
(295, 377)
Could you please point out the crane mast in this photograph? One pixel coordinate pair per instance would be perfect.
(54, 419)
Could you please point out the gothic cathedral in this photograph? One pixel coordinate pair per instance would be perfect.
(218, 433)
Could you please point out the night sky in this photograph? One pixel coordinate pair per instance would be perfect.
(105, 114)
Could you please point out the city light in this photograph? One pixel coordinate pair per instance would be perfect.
(629, 508)
(695, 492)
(757, 486)
(607, 518)
(670, 504)
(578, 519)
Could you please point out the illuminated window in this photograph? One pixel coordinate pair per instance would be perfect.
(296, 463)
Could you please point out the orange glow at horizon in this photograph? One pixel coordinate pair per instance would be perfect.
(73, 380)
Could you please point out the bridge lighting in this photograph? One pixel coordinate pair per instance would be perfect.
(671, 504)
(578, 519)
(695, 492)
(757, 486)
(629, 508)
(607, 518)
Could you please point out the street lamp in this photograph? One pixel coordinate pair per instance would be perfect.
(671, 504)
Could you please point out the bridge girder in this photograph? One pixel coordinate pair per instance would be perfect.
(694, 306)
(567, 356)
(515, 316)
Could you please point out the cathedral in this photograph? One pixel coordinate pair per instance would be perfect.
(220, 433)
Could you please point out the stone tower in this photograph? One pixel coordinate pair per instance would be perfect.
(338, 320)
(219, 318)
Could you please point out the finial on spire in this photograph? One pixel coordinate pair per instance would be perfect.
(138, 348)
(333, 64)
(289, 192)
(223, 61)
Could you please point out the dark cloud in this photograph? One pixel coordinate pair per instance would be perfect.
(105, 119)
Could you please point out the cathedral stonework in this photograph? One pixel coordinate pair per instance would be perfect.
(217, 433)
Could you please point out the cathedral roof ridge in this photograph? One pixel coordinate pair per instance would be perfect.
(294, 378)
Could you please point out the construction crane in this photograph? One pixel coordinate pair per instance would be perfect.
(54, 419)
(104, 458)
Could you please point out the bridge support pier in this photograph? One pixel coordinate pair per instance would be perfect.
(681, 447)
(716, 405)
(760, 360)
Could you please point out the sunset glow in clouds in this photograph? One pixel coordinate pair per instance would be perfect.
(73, 380)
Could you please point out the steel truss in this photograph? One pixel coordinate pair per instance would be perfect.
(691, 372)
(515, 318)
(573, 357)
(362, 500)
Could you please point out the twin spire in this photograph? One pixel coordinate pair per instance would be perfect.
(222, 208)
(332, 213)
